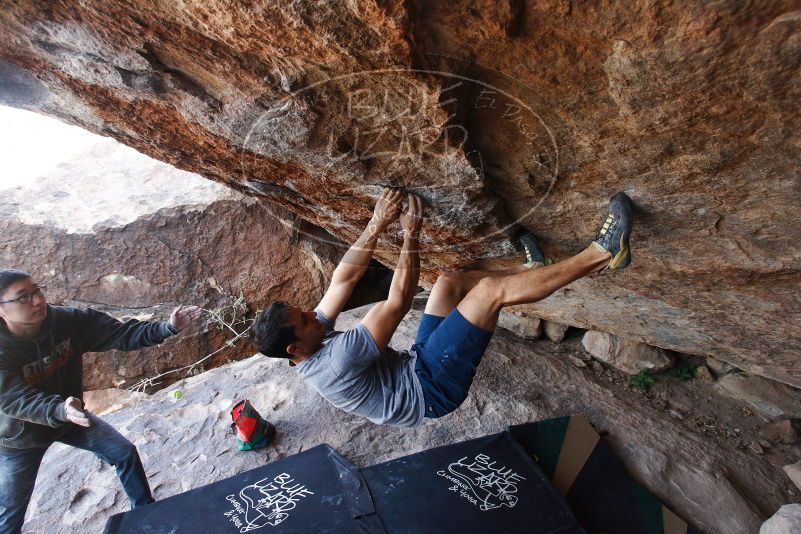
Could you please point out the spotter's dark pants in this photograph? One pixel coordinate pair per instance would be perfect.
(18, 469)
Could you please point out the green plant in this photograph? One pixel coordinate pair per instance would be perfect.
(642, 380)
(684, 373)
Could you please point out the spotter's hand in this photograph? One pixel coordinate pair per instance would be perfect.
(182, 317)
(74, 412)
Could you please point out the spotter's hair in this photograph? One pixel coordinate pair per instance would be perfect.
(9, 276)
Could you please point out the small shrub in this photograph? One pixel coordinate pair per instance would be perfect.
(684, 373)
(642, 380)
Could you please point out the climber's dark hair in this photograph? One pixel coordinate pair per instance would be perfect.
(271, 333)
(9, 276)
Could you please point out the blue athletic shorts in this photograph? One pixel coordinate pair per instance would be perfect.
(449, 350)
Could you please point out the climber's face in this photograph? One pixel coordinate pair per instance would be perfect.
(24, 303)
(308, 330)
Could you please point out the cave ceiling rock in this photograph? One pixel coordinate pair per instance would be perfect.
(496, 113)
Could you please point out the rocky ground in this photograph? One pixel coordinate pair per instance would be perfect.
(685, 442)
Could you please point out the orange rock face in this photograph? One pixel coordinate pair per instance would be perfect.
(498, 114)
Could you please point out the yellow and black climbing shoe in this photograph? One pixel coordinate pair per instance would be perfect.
(534, 254)
(613, 235)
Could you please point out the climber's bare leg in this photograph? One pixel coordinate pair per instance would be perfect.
(483, 302)
(451, 287)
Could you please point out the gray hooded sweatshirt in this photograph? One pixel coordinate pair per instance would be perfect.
(37, 375)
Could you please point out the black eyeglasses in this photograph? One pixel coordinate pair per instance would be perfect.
(27, 297)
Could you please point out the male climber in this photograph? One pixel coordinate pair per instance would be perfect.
(41, 387)
(356, 371)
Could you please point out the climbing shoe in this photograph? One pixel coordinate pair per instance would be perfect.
(531, 247)
(613, 235)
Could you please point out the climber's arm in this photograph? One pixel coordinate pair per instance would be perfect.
(383, 319)
(355, 261)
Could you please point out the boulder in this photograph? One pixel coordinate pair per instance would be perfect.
(629, 356)
(103, 401)
(787, 520)
(787, 431)
(555, 331)
(523, 326)
(794, 473)
(719, 367)
(702, 373)
(770, 398)
(576, 360)
(497, 113)
(185, 443)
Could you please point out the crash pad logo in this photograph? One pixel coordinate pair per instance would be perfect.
(483, 482)
(265, 503)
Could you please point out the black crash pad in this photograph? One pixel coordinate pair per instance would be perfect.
(507, 482)
(477, 486)
(488, 484)
(314, 491)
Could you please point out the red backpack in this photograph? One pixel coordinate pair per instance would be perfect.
(252, 431)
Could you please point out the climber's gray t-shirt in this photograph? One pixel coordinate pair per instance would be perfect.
(353, 375)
